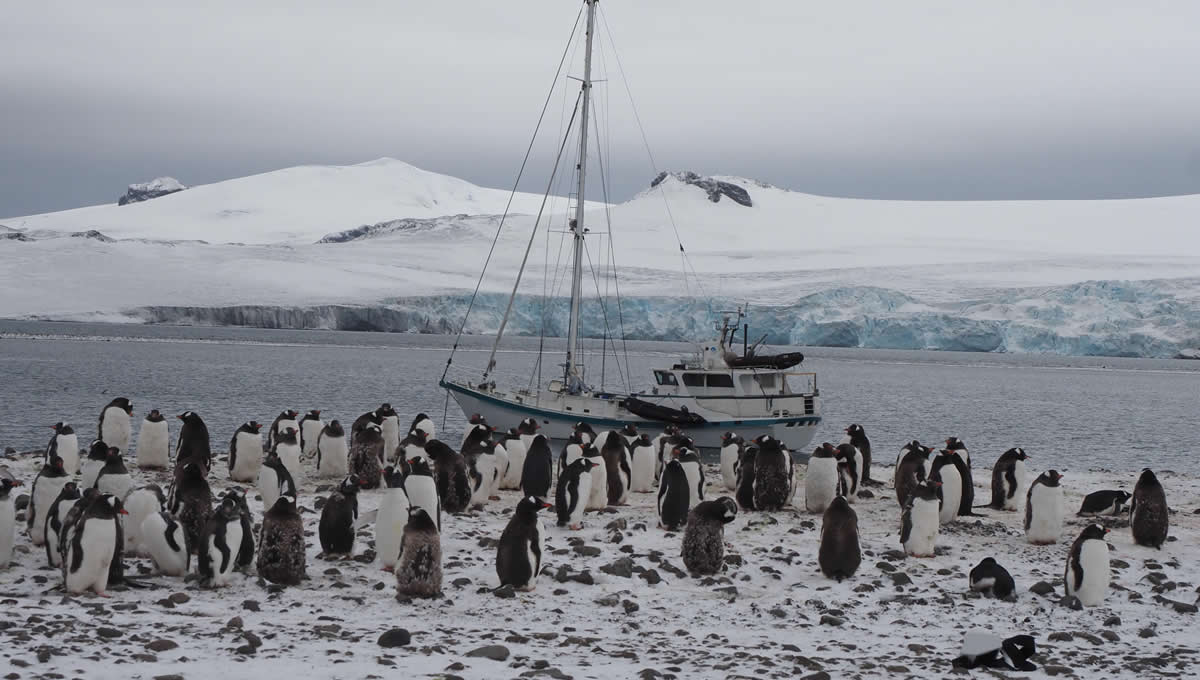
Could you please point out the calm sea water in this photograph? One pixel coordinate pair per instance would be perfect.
(1068, 412)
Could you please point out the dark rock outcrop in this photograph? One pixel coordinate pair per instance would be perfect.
(145, 191)
(715, 188)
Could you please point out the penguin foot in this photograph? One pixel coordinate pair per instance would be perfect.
(492, 498)
(388, 569)
(576, 527)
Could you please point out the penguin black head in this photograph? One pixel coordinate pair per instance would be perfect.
(393, 477)
(584, 427)
(671, 430)
(154, 416)
(1148, 477)
(511, 434)
(1019, 453)
(291, 413)
(284, 505)
(727, 437)
(190, 418)
(987, 561)
(927, 490)
(253, 426)
(419, 466)
(630, 430)
(287, 436)
(272, 460)
(955, 444)
(766, 442)
(1050, 477)
(419, 520)
(477, 419)
(56, 464)
(590, 451)
(421, 436)
(62, 428)
(313, 414)
(530, 505)
(825, 450)
(528, 426)
(237, 494)
(1093, 531)
(729, 509)
(123, 404)
(371, 433)
(839, 505)
(98, 450)
(7, 485)
(193, 470)
(385, 410)
(228, 510)
(846, 451)
(436, 449)
(334, 429)
(115, 504)
(113, 455)
(351, 484)
(642, 440)
(854, 429)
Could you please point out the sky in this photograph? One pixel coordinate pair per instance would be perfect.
(914, 100)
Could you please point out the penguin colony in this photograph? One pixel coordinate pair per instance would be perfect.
(86, 514)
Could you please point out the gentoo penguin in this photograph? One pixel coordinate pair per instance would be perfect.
(391, 518)
(630, 432)
(586, 434)
(849, 470)
(1107, 502)
(571, 452)
(946, 472)
(689, 458)
(8, 520)
(500, 460)
(731, 454)
(674, 498)
(115, 427)
(140, 504)
(412, 446)
(65, 444)
(856, 436)
(220, 543)
(86, 498)
(114, 477)
(274, 481)
(389, 427)
(287, 447)
(1044, 509)
(821, 479)
(164, 539)
(539, 467)
(366, 456)
(46, 487)
(745, 478)
(310, 431)
(515, 448)
(477, 426)
(597, 499)
(1148, 511)
(246, 452)
(574, 490)
(90, 468)
(92, 546)
(956, 445)
(662, 449)
(285, 419)
(615, 452)
(962, 463)
(419, 570)
(245, 555)
(193, 443)
(704, 538)
(919, 522)
(1087, 572)
(839, 555)
(519, 555)
(993, 580)
(360, 423)
(333, 454)
(192, 503)
(982, 649)
(55, 520)
(452, 477)
(423, 423)
(1008, 480)
(154, 442)
(481, 466)
(772, 474)
(642, 464)
(338, 519)
(528, 428)
(912, 468)
(421, 489)
(281, 553)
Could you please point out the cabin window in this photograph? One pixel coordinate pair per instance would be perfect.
(720, 380)
(665, 378)
(693, 379)
(766, 382)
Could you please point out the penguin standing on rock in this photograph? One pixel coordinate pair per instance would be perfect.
(745, 478)
(391, 518)
(1087, 574)
(114, 477)
(919, 521)
(89, 470)
(286, 419)
(115, 427)
(821, 480)
(154, 442)
(1008, 480)
(1044, 509)
(92, 545)
(731, 455)
(192, 503)
(245, 555)
(839, 554)
(274, 481)
(946, 472)
(704, 538)
(993, 580)
(912, 468)
(220, 544)
(515, 448)
(246, 452)
(453, 478)
(1148, 511)
(419, 570)
(338, 519)
(166, 542)
(46, 488)
(772, 474)
(333, 455)
(642, 464)
(193, 443)
(856, 436)
(574, 489)
(615, 452)
(287, 448)
(538, 471)
(281, 555)
(1107, 502)
(310, 431)
(366, 455)
(519, 555)
(8, 520)
(56, 519)
(64, 444)
(674, 498)
(421, 489)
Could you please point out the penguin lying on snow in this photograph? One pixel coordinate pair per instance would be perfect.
(840, 554)
(981, 649)
(993, 580)
(704, 539)
(1148, 511)
(281, 554)
(419, 569)
(1107, 502)
(519, 555)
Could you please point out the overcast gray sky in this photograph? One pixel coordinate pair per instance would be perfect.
(918, 99)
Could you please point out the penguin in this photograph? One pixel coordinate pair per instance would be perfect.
(310, 431)
(772, 474)
(419, 570)
(65, 443)
(662, 450)
(519, 555)
(365, 457)
(515, 448)
(856, 436)
(745, 478)
(850, 474)
(92, 546)
(956, 445)
(615, 452)
(140, 504)
(586, 434)
(477, 428)
(704, 538)
(90, 468)
(412, 446)
(246, 452)
(115, 427)
(285, 419)
(274, 481)
(731, 453)
(1044, 509)
(287, 447)
(193, 443)
(164, 539)
(452, 476)
(629, 432)
(360, 423)
(69, 520)
(8, 519)
(338, 519)
(539, 467)
(946, 472)
(1008, 480)
(912, 468)
(192, 503)
(500, 460)
(1087, 572)
(597, 499)
(1148, 511)
(333, 454)
(962, 463)
(528, 429)
(674, 498)
(220, 543)
(1107, 502)
(282, 555)
(421, 488)
(423, 423)
(245, 555)
(642, 464)
(821, 479)
(571, 452)
(154, 442)
(481, 466)
(982, 649)
(840, 553)
(114, 477)
(993, 580)
(690, 460)
(919, 521)
(574, 489)
(391, 518)
(46, 488)
(55, 520)
(389, 427)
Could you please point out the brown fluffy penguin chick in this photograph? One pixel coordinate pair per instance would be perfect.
(839, 554)
(704, 538)
(281, 551)
(419, 570)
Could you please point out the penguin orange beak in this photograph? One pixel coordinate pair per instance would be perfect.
(124, 511)
(547, 505)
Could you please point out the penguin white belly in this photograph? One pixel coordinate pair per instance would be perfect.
(117, 430)
(68, 450)
(390, 428)
(694, 477)
(642, 465)
(249, 457)
(516, 464)
(597, 498)
(922, 537)
(44, 493)
(8, 529)
(139, 504)
(118, 485)
(98, 542)
(427, 427)
(729, 461)
(501, 471)
(951, 493)
(422, 493)
(389, 526)
(485, 467)
(1046, 515)
(334, 458)
(526, 440)
(535, 564)
(1093, 557)
(310, 433)
(289, 455)
(1017, 501)
(573, 453)
(169, 561)
(625, 473)
(820, 484)
(89, 471)
(661, 454)
(581, 503)
(233, 539)
(268, 487)
(154, 445)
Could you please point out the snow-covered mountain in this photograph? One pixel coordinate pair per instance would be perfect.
(389, 246)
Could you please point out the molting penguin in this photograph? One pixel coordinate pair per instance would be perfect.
(220, 544)
(360, 423)
(366, 454)
(514, 446)
(519, 555)
(114, 477)
(615, 451)
(281, 554)
(192, 503)
(423, 423)
(539, 467)
(8, 519)
(643, 464)
(333, 454)
(821, 480)
(452, 477)
(1087, 573)
(92, 546)
(65, 444)
(731, 454)
(164, 539)
(391, 518)
(1044, 509)
(140, 504)
(246, 452)
(245, 555)
(287, 447)
(912, 468)
(840, 554)
(46, 488)
(421, 489)
(154, 442)
(946, 472)
(282, 422)
(310, 431)
(674, 498)
(856, 436)
(89, 470)
(993, 580)
(1148, 511)
(56, 519)
(338, 519)
(919, 522)
(745, 478)
(419, 570)
(389, 426)
(849, 470)
(772, 474)
(412, 446)
(115, 427)
(704, 538)
(1107, 502)
(193, 443)
(1008, 480)
(574, 489)
(597, 499)
(274, 481)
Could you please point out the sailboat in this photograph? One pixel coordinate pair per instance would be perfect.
(705, 394)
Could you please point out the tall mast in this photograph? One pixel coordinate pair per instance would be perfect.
(572, 369)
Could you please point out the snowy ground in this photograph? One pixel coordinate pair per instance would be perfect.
(769, 614)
